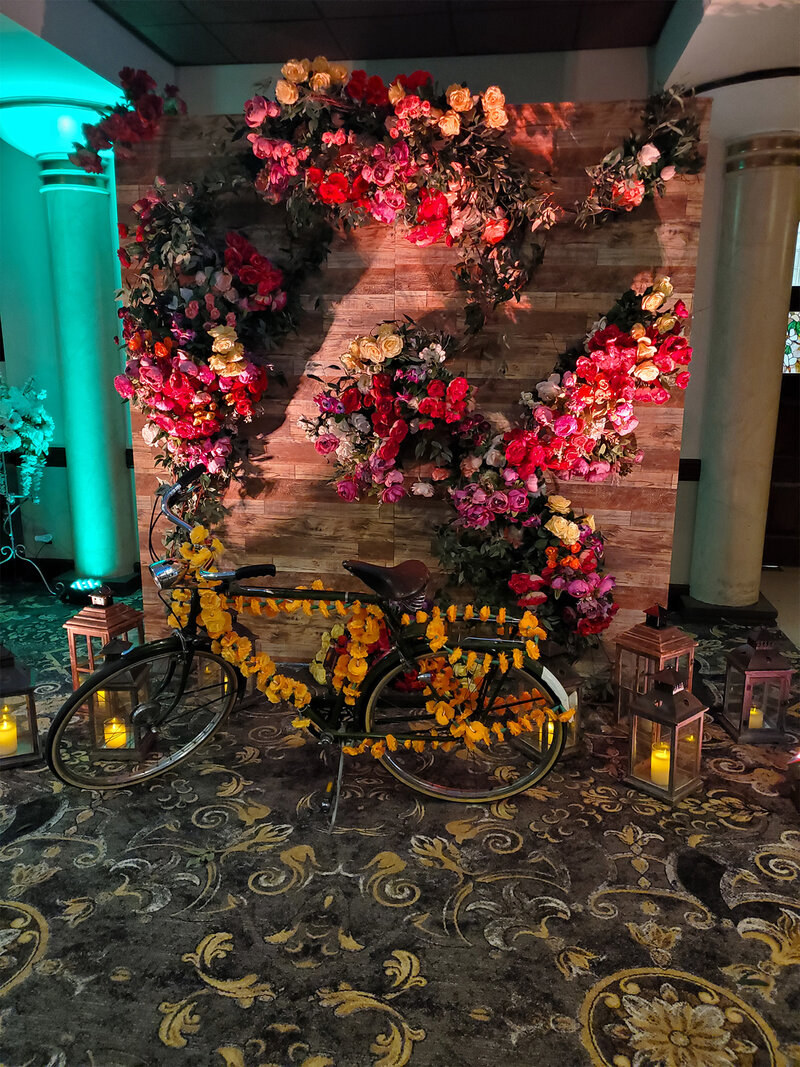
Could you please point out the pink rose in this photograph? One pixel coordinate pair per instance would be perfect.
(667, 173)
(347, 490)
(192, 308)
(326, 444)
(647, 155)
(124, 386)
(255, 111)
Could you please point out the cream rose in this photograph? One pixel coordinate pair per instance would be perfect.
(558, 503)
(224, 338)
(286, 92)
(493, 98)
(496, 119)
(449, 123)
(637, 331)
(646, 371)
(664, 323)
(321, 81)
(352, 357)
(296, 70)
(653, 301)
(229, 365)
(589, 521)
(391, 345)
(396, 93)
(459, 98)
(370, 350)
(566, 532)
(663, 285)
(644, 349)
(338, 73)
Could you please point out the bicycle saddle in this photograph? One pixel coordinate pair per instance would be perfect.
(408, 579)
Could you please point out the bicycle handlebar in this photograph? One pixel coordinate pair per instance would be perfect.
(183, 482)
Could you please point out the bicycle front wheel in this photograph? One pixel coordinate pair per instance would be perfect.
(140, 716)
(399, 704)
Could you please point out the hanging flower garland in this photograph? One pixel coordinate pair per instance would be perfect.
(127, 124)
(666, 145)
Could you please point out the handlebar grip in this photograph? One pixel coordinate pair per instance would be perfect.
(255, 570)
(189, 476)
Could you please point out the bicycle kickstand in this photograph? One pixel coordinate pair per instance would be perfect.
(333, 791)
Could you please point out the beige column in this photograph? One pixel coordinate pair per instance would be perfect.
(760, 214)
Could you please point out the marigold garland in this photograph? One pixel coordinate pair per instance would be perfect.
(357, 639)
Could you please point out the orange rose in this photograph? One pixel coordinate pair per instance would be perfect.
(450, 123)
(459, 98)
(496, 119)
(396, 93)
(493, 99)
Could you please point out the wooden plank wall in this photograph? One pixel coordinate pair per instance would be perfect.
(286, 512)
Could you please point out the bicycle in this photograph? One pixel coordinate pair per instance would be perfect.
(148, 710)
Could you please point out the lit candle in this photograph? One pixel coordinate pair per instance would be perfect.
(115, 734)
(8, 732)
(756, 720)
(659, 765)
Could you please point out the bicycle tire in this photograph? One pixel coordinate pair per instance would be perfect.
(498, 771)
(88, 748)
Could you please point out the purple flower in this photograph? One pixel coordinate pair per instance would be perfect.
(517, 500)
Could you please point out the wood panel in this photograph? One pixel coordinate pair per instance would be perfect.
(287, 512)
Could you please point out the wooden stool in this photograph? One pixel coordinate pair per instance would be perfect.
(100, 623)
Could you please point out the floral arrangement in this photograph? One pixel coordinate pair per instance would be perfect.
(137, 119)
(27, 429)
(581, 421)
(347, 148)
(198, 318)
(666, 145)
(455, 686)
(397, 410)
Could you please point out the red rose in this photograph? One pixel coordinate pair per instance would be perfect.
(516, 451)
(333, 190)
(314, 175)
(436, 388)
(150, 108)
(431, 206)
(428, 234)
(376, 92)
(398, 431)
(681, 310)
(495, 230)
(135, 83)
(457, 389)
(682, 379)
(627, 194)
(351, 400)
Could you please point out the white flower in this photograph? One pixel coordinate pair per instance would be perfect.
(149, 433)
(526, 399)
(422, 489)
(9, 439)
(361, 423)
(433, 354)
(494, 457)
(647, 155)
(550, 389)
(344, 451)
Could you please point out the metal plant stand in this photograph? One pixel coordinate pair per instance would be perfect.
(11, 548)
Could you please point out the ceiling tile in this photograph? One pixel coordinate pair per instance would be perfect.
(395, 37)
(138, 13)
(275, 42)
(213, 11)
(621, 23)
(538, 27)
(188, 46)
(339, 10)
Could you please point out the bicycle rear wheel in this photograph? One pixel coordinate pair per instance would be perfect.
(140, 716)
(465, 775)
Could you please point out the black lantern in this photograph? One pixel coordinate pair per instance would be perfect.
(757, 686)
(19, 735)
(643, 651)
(666, 739)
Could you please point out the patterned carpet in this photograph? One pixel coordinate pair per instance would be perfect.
(210, 919)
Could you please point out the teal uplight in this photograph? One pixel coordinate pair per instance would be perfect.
(85, 585)
(44, 128)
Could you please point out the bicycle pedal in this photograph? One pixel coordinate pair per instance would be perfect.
(327, 797)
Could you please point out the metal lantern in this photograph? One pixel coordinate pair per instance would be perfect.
(666, 739)
(573, 684)
(92, 628)
(757, 685)
(19, 735)
(110, 709)
(643, 651)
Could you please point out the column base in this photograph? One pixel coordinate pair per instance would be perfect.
(761, 612)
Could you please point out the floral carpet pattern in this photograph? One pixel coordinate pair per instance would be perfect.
(209, 918)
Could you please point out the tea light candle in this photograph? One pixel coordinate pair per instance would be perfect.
(115, 734)
(8, 732)
(756, 720)
(659, 765)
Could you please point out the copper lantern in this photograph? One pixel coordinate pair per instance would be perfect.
(757, 685)
(110, 709)
(93, 627)
(643, 651)
(666, 739)
(19, 736)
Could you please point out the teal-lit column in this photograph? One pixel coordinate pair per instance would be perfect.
(95, 430)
